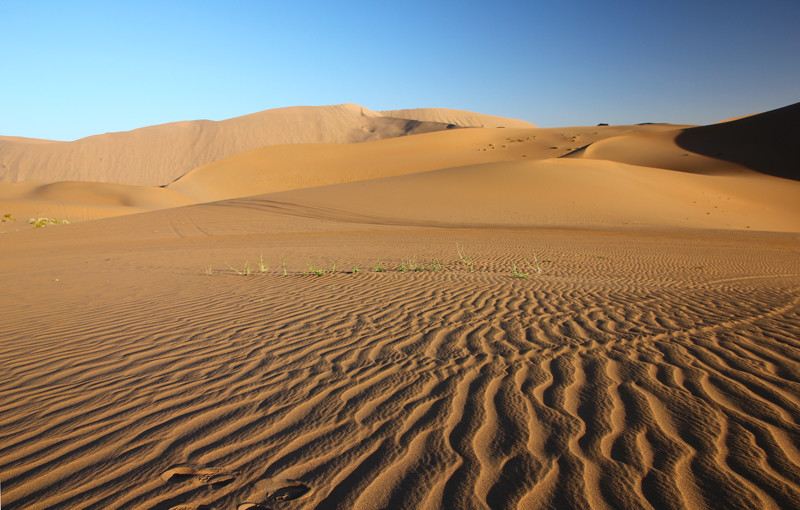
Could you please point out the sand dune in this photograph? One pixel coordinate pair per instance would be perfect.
(457, 117)
(762, 143)
(517, 318)
(535, 177)
(657, 150)
(157, 155)
(281, 168)
(558, 192)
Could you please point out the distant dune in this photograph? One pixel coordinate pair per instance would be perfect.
(764, 143)
(602, 176)
(457, 117)
(556, 192)
(157, 155)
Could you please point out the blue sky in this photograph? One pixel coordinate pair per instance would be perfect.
(71, 69)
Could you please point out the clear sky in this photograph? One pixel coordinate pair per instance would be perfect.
(75, 68)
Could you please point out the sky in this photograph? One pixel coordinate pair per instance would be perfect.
(72, 69)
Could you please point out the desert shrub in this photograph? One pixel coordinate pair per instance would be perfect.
(44, 222)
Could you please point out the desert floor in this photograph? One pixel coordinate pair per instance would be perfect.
(537, 330)
(637, 369)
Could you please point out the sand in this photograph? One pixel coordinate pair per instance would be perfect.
(157, 155)
(457, 117)
(428, 321)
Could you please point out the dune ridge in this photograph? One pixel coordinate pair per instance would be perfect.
(457, 117)
(761, 142)
(621, 175)
(157, 155)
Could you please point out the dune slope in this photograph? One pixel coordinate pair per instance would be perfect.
(286, 167)
(458, 118)
(507, 177)
(157, 155)
(281, 168)
(556, 192)
(763, 143)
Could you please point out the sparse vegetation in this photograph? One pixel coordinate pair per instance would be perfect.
(466, 261)
(245, 270)
(316, 270)
(263, 267)
(408, 265)
(518, 273)
(534, 267)
(44, 222)
(7, 218)
(411, 266)
(537, 267)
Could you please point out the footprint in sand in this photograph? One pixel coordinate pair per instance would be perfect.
(215, 477)
(266, 493)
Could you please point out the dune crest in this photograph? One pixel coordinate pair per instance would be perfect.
(458, 117)
(157, 155)
(763, 143)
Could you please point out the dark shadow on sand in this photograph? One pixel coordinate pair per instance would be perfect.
(767, 142)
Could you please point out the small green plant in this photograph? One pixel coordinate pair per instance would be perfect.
(354, 270)
(466, 260)
(435, 266)
(263, 267)
(379, 267)
(44, 222)
(518, 273)
(7, 218)
(415, 267)
(316, 271)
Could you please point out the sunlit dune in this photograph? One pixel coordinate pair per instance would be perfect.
(331, 307)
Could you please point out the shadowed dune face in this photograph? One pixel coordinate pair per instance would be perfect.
(457, 118)
(766, 142)
(656, 150)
